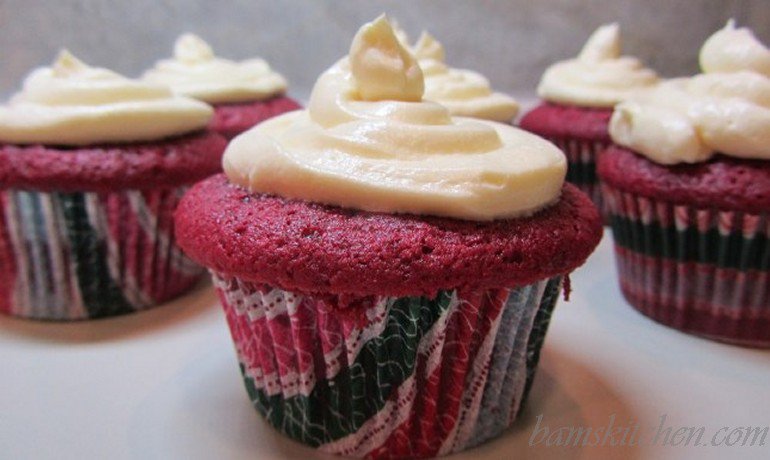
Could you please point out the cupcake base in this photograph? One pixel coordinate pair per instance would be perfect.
(231, 120)
(408, 377)
(74, 256)
(698, 270)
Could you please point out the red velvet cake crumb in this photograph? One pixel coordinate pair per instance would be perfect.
(557, 121)
(103, 168)
(233, 119)
(726, 183)
(312, 248)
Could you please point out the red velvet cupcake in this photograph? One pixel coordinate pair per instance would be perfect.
(92, 166)
(689, 195)
(387, 271)
(578, 97)
(243, 94)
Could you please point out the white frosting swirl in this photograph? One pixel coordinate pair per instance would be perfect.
(733, 50)
(463, 92)
(599, 77)
(368, 141)
(71, 103)
(196, 72)
(726, 109)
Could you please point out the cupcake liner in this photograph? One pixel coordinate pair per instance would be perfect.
(582, 156)
(702, 271)
(72, 256)
(400, 377)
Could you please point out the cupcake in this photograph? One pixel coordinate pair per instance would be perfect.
(242, 93)
(688, 190)
(463, 92)
(578, 96)
(92, 165)
(387, 271)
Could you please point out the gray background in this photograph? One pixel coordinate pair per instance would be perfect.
(509, 41)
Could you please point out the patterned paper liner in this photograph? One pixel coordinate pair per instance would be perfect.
(702, 271)
(582, 156)
(403, 378)
(73, 256)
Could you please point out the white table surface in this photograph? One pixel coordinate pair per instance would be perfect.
(164, 384)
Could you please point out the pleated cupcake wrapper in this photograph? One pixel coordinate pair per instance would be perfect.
(403, 378)
(702, 271)
(582, 156)
(73, 256)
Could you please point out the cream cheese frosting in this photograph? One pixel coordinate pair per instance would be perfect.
(369, 141)
(599, 77)
(196, 72)
(71, 103)
(726, 109)
(463, 92)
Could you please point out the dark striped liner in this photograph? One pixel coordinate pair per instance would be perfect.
(704, 271)
(408, 377)
(72, 256)
(582, 156)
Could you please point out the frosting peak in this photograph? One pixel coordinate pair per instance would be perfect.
(599, 76)
(732, 49)
(463, 92)
(71, 103)
(726, 109)
(195, 71)
(602, 45)
(191, 48)
(427, 47)
(382, 68)
(390, 151)
(67, 65)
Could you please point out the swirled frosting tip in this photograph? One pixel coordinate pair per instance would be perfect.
(733, 49)
(66, 64)
(603, 44)
(382, 67)
(599, 77)
(464, 92)
(427, 47)
(401, 34)
(191, 48)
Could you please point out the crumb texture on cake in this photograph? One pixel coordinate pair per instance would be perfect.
(234, 118)
(565, 121)
(166, 163)
(311, 248)
(725, 183)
